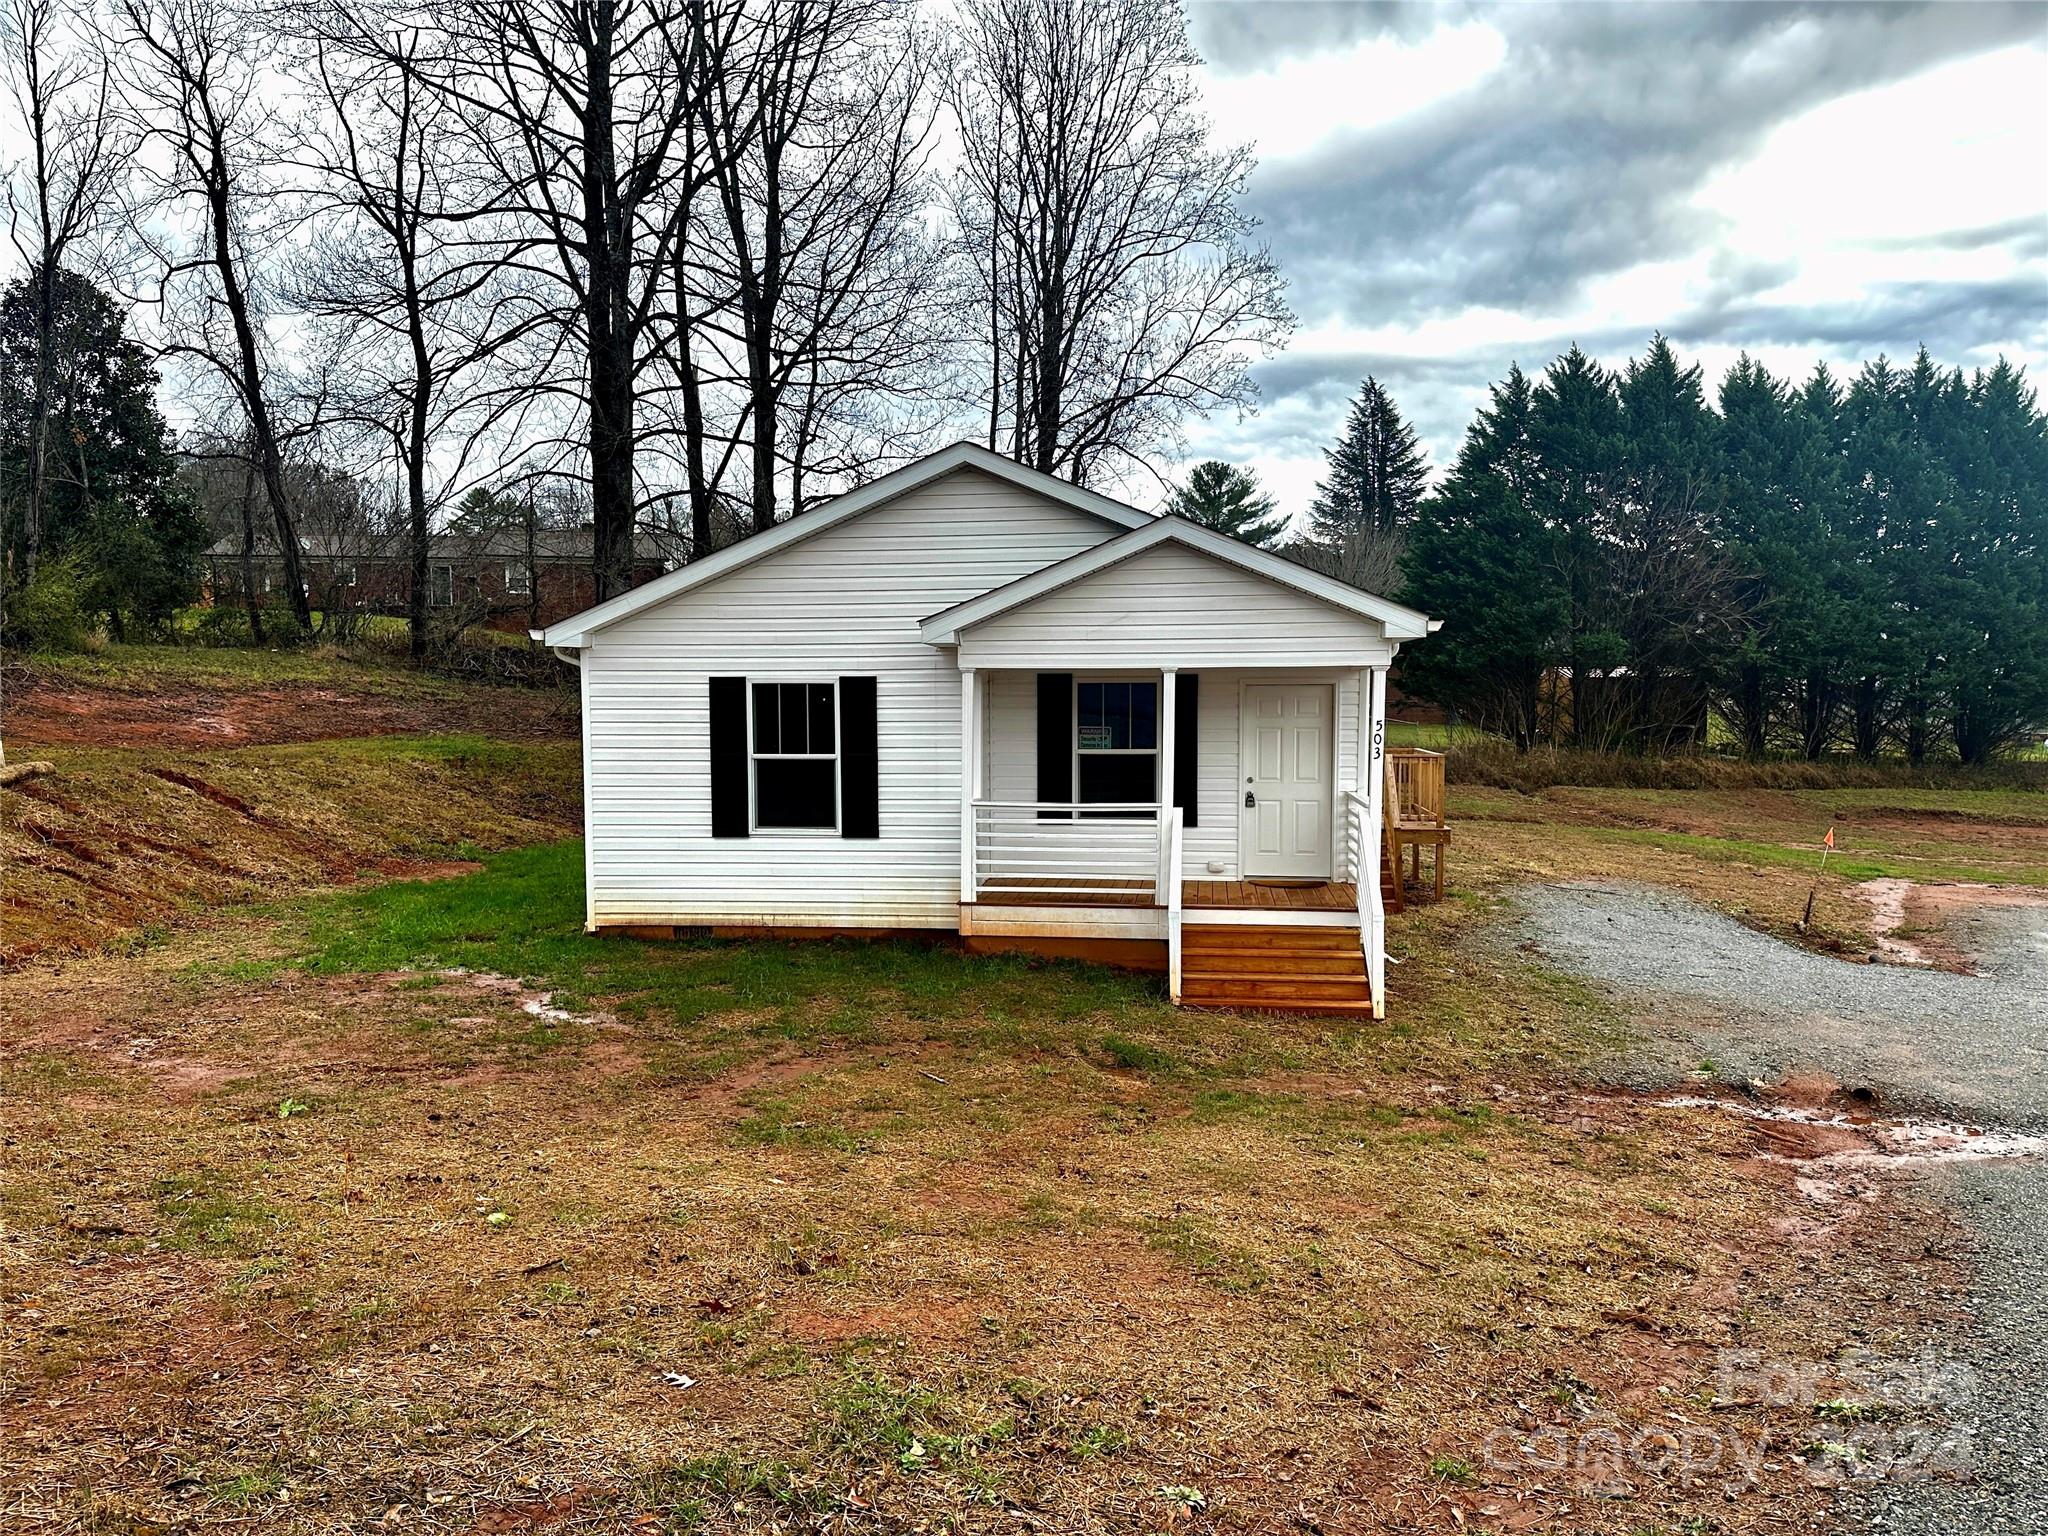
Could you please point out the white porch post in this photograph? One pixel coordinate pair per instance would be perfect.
(971, 773)
(1164, 787)
(1360, 759)
(1166, 734)
(1372, 722)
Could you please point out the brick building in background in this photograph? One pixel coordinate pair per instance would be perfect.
(508, 579)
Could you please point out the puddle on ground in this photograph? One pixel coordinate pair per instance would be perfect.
(1867, 1141)
(541, 1005)
(1836, 1156)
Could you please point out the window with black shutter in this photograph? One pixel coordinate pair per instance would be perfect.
(794, 739)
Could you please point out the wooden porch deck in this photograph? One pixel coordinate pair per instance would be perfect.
(1211, 895)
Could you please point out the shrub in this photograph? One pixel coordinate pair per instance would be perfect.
(222, 626)
(48, 613)
(226, 626)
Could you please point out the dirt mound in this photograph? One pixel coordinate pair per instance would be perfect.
(51, 711)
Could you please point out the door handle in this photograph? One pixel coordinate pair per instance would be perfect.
(1250, 799)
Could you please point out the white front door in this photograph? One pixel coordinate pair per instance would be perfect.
(1287, 737)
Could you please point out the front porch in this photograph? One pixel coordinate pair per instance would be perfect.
(1176, 739)
(1237, 869)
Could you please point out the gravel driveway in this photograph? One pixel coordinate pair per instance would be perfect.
(1971, 1047)
(1704, 988)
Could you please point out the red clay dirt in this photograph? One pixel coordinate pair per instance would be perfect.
(49, 713)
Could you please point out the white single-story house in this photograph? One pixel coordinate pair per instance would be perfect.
(975, 698)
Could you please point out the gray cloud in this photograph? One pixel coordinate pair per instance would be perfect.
(1580, 157)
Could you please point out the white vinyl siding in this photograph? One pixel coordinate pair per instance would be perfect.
(846, 602)
(1174, 606)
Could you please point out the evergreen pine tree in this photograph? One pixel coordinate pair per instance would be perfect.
(1376, 472)
(1481, 553)
(1679, 617)
(1228, 499)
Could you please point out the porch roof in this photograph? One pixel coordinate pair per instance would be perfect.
(1395, 622)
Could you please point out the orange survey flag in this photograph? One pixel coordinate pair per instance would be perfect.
(1829, 840)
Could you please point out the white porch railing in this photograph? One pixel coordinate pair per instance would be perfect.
(1170, 856)
(1022, 848)
(1363, 818)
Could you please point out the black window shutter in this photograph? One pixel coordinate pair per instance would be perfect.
(728, 757)
(1187, 736)
(1055, 739)
(860, 763)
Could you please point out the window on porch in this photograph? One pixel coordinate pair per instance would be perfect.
(1116, 741)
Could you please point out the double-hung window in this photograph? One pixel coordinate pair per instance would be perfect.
(1116, 742)
(442, 593)
(795, 739)
(517, 583)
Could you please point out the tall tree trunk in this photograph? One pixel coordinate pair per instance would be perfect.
(250, 601)
(1866, 719)
(416, 473)
(1046, 401)
(607, 275)
(1816, 709)
(693, 404)
(263, 435)
(1753, 709)
(764, 297)
(611, 467)
(39, 423)
(760, 387)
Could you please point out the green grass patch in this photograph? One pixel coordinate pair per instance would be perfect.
(208, 1212)
(1845, 863)
(522, 915)
(1189, 1243)
(1137, 1056)
(146, 668)
(869, 1420)
(775, 1123)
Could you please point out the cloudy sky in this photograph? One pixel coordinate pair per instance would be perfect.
(1451, 188)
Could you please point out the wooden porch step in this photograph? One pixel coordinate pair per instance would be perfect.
(1274, 990)
(1277, 1002)
(1267, 936)
(1269, 962)
(1286, 966)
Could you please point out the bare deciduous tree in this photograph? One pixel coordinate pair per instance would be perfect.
(575, 113)
(403, 297)
(817, 126)
(194, 79)
(1111, 258)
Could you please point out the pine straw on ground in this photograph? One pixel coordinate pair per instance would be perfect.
(410, 1249)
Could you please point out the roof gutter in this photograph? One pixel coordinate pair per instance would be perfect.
(571, 654)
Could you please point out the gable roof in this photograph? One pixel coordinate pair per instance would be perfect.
(576, 630)
(943, 628)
